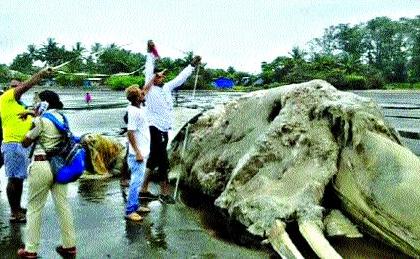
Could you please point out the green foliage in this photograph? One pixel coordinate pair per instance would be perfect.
(122, 82)
(6, 75)
(355, 82)
(115, 60)
(70, 80)
(53, 54)
(19, 76)
(403, 86)
(374, 78)
(22, 63)
(335, 77)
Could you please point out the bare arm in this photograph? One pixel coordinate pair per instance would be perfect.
(35, 79)
(32, 134)
(133, 143)
(27, 142)
(25, 114)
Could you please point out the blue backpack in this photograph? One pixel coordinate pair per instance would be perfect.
(68, 159)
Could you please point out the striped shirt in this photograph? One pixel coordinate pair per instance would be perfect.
(159, 103)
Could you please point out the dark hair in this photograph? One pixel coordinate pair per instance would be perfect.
(51, 98)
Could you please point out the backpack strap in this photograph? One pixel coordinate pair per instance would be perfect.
(63, 127)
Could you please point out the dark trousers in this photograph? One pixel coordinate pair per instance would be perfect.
(158, 156)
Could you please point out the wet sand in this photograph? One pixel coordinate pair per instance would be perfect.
(169, 231)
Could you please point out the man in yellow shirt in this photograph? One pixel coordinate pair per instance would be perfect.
(16, 157)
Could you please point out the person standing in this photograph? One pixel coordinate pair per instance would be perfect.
(14, 129)
(138, 151)
(88, 98)
(159, 106)
(47, 138)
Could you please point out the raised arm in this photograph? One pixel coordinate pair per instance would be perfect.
(149, 84)
(35, 79)
(151, 56)
(183, 76)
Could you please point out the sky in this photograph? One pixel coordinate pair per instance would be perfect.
(238, 33)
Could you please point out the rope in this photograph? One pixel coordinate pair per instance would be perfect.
(195, 83)
(184, 145)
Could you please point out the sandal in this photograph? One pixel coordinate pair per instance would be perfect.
(22, 253)
(133, 217)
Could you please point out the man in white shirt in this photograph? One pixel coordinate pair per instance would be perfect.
(159, 106)
(138, 151)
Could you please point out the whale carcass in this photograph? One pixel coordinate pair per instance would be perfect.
(268, 158)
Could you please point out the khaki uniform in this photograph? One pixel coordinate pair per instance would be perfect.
(40, 180)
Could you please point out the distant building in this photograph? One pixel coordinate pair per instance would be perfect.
(246, 80)
(259, 81)
(94, 81)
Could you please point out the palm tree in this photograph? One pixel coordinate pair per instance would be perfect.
(33, 53)
(96, 47)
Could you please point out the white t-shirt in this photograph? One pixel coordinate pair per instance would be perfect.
(159, 103)
(137, 122)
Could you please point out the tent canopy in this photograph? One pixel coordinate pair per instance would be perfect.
(223, 82)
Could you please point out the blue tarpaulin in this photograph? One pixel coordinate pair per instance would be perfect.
(223, 82)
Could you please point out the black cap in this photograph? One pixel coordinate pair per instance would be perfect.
(51, 98)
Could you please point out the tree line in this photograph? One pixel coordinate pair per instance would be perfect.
(363, 56)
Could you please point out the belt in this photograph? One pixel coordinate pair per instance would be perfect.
(40, 158)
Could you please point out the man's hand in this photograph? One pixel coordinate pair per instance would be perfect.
(47, 72)
(150, 46)
(196, 61)
(25, 114)
(139, 157)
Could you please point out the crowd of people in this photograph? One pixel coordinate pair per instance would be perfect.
(29, 139)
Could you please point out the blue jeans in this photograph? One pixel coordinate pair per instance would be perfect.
(137, 177)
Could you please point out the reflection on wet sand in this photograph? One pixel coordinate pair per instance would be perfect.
(11, 237)
(152, 228)
(93, 190)
(158, 218)
(11, 234)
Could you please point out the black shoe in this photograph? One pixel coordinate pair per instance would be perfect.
(66, 252)
(148, 196)
(167, 199)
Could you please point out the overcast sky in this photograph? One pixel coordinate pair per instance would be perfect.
(238, 33)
